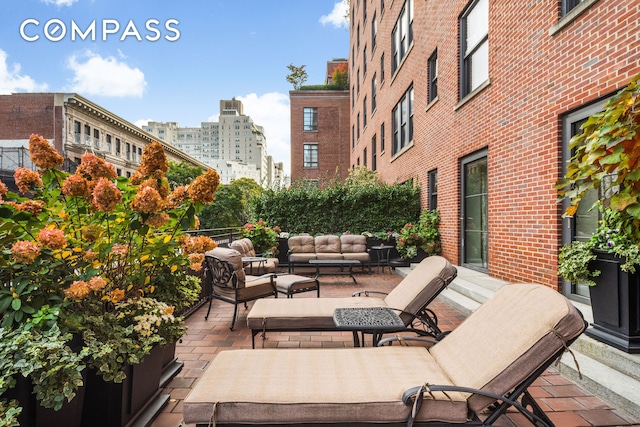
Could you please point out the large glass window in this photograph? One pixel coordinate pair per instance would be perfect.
(474, 61)
(475, 191)
(310, 119)
(374, 90)
(310, 155)
(402, 35)
(402, 120)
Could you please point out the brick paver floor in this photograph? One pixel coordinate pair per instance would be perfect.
(567, 404)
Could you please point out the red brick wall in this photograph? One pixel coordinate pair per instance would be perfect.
(22, 114)
(332, 135)
(535, 78)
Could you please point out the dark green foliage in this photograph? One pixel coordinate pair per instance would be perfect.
(339, 208)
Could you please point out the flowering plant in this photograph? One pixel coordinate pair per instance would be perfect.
(385, 236)
(263, 237)
(102, 256)
(610, 237)
(424, 235)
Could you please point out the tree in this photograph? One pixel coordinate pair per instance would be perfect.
(231, 206)
(182, 173)
(298, 76)
(361, 175)
(340, 76)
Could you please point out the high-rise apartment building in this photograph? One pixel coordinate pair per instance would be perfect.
(234, 145)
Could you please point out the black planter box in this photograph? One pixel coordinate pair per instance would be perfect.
(615, 301)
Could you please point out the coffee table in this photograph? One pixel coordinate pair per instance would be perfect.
(251, 259)
(342, 263)
(373, 320)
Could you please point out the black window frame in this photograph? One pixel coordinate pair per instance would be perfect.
(466, 58)
(402, 136)
(432, 71)
(309, 161)
(401, 37)
(310, 119)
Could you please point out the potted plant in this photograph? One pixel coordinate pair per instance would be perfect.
(98, 257)
(606, 160)
(263, 238)
(417, 241)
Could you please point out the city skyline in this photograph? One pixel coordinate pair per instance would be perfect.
(161, 61)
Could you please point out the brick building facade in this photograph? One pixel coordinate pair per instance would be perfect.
(75, 126)
(319, 132)
(475, 101)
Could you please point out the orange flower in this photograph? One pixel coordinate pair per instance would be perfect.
(26, 179)
(96, 167)
(106, 195)
(120, 249)
(89, 256)
(196, 261)
(97, 284)
(77, 290)
(25, 252)
(157, 220)
(76, 185)
(34, 207)
(192, 245)
(147, 200)
(203, 188)
(43, 155)
(3, 189)
(52, 238)
(153, 161)
(177, 196)
(116, 295)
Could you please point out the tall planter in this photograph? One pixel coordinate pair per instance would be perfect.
(615, 301)
(138, 399)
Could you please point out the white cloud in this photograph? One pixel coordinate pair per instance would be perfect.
(337, 16)
(59, 3)
(142, 122)
(12, 81)
(272, 112)
(95, 75)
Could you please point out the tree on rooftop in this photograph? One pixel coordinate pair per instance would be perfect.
(298, 76)
(340, 76)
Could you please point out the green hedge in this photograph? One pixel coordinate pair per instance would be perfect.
(339, 208)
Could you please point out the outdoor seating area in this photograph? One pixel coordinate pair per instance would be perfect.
(565, 403)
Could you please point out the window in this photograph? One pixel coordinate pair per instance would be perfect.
(353, 137)
(358, 126)
(310, 155)
(364, 157)
(474, 46)
(402, 35)
(108, 139)
(382, 137)
(128, 151)
(364, 112)
(87, 134)
(374, 164)
(433, 189)
(76, 131)
(433, 75)
(358, 81)
(568, 5)
(374, 90)
(382, 67)
(364, 61)
(310, 119)
(402, 119)
(374, 32)
(118, 148)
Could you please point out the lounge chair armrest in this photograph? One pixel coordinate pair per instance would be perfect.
(264, 276)
(401, 339)
(410, 395)
(366, 293)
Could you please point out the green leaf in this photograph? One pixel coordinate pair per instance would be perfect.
(16, 304)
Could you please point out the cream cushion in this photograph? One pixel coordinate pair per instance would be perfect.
(329, 385)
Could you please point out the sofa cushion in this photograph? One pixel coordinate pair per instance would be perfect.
(244, 246)
(319, 385)
(353, 243)
(301, 245)
(327, 244)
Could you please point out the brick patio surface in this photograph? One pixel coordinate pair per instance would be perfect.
(566, 403)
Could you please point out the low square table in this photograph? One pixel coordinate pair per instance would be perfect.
(373, 320)
(342, 263)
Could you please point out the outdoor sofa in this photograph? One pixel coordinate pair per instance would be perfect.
(327, 247)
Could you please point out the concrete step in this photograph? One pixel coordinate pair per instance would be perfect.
(608, 373)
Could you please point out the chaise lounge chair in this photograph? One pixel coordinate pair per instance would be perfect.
(482, 368)
(410, 298)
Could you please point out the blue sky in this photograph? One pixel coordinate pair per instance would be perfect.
(172, 60)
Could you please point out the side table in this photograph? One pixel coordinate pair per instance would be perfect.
(250, 260)
(382, 256)
(373, 320)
